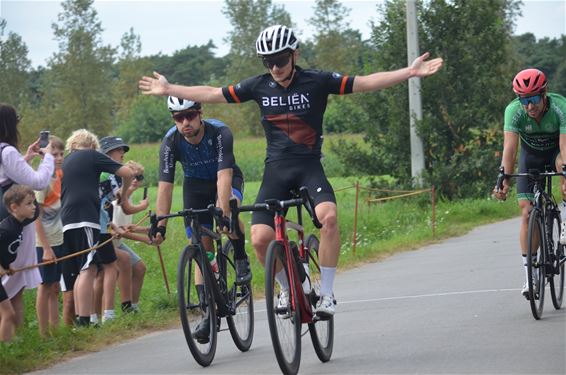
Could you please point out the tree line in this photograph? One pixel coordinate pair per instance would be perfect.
(87, 84)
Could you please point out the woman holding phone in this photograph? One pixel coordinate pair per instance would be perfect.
(14, 169)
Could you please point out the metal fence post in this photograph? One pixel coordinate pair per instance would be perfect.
(354, 240)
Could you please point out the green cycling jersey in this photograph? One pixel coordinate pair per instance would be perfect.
(541, 136)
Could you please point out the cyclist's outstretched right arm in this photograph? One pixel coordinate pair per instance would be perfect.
(158, 85)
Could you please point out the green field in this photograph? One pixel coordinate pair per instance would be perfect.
(383, 229)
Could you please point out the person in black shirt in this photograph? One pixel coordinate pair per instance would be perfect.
(19, 200)
(80, 213)
(292, 102)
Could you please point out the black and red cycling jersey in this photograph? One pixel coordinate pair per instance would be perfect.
(291, 117)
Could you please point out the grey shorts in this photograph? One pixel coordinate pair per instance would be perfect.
(134, 258)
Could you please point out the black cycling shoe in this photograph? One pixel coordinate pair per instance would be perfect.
(243, 271)
(202, 331)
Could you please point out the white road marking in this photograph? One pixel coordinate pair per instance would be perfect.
(419, 296)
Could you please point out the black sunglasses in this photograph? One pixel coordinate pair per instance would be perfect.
(179, 117)
(278, 60)
(139, 177)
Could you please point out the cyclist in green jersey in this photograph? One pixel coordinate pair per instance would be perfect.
(538, 119)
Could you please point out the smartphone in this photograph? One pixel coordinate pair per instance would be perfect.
(145, 192)
(43, 138)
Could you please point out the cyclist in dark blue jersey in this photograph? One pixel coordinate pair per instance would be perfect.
(205, 150)
(292, 102)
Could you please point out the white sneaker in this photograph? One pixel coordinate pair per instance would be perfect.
(325, 307)
(563, 233)
(282, 308)
(525, 290)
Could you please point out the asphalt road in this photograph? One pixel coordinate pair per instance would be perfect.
(453, 307)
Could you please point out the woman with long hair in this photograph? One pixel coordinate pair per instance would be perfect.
(14, 169)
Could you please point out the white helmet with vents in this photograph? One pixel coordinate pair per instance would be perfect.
(175, 104)
(276, 39)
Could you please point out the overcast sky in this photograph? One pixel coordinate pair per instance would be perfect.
(167, 26)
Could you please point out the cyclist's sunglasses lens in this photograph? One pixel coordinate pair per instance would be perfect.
(535, 99)
(279, 61)
(179, 117)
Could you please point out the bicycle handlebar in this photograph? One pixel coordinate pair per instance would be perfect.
(216, 213)
(533, 174)
(277, 205)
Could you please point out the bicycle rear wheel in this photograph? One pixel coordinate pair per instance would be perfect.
(194, 309)
(240, 300)
(284, 322)
(535, 263)
(321, 331)
(555, 268)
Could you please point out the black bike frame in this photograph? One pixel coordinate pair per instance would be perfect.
(219, 286)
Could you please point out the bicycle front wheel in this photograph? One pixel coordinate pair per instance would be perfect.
(283, 315)
(240, 301)
(555, 269)
(196, 306)
(535, 263)
(321, 331)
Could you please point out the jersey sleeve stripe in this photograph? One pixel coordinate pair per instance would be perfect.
(343, 85)
(233, 94)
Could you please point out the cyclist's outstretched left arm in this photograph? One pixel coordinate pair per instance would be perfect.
(421, 67)
(158, 85)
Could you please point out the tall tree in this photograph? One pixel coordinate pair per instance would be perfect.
(339, 48)
(14, 67)
(545, 54)
(248, 18)
(462, 105)
(129, 67)
(80, 78)
(336, 44)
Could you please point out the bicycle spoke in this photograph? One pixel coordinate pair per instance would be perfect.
(240, 303)
(197, 313)
(284, 321)
(322, 332)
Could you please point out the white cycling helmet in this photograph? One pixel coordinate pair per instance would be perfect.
(275, 39)
(175, 104)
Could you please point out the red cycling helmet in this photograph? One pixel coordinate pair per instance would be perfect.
(529, 82)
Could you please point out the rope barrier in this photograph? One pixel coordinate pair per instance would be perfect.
(399, 196)
(344, 188)
(376, 190)
(70, 255)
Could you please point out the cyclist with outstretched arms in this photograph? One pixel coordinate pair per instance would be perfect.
(292, 102)
(536, 120)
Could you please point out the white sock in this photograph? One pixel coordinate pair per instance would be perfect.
(526, 268)
(327, 280)
(108, 314)
(136, 306)
(281, 278)
(94, 318)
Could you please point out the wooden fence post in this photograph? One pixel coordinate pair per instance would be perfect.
(433, 197)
